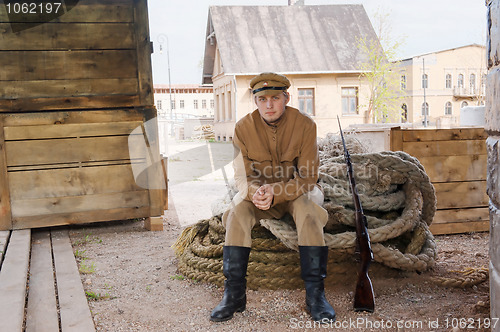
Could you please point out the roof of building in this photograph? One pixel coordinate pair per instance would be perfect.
(286, 39)
(442, 51)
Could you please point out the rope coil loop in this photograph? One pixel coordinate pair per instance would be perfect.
(398, 199)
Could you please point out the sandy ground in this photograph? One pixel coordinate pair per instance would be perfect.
(133, 283)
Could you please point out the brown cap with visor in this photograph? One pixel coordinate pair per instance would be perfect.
(269, 84)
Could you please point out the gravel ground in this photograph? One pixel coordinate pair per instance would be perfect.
(133, 284)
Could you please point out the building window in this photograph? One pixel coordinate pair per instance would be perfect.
(425, 80)
(404, 113)
(403, 82)
(306, 101)
(349, 100)
(181, 103)
(448, 81)
(158, 104)
(425, 113)
(212, 104)
(195, 104)
(447, 108)
(204, 104)
(460, 82)
(464, 104)
(472, 83)
(172, 104)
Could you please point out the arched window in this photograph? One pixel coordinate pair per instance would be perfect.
(464, 104)
(460, 82)
(448, 81)
(425, 81)
(472, 83)
(425, 113)
(447, 108)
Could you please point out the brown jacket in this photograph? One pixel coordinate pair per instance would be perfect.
(284, 154)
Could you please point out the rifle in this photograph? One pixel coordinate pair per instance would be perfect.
(363, 297)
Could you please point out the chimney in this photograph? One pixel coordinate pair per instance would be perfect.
(296, 2)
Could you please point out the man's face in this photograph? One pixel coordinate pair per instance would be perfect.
(272, 107)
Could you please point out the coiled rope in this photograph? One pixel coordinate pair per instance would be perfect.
(398, 200)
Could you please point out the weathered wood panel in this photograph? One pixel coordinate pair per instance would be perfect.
(461, 194)
(67, 150)
(455, 168)
(67, 103)
(75, 204)
(80, 217)
(74, 310)
(455, 161)
(40, 89)
(5, 213)
(70, 130)
(13, 276)
(70, 65)
(445, 148)
(70, 36)
(432, 135)
(41, 313)
(88, 11)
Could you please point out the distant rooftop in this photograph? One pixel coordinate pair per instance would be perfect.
(286, 39)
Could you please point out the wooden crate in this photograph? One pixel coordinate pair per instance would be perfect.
(455, 160)
(72, 91)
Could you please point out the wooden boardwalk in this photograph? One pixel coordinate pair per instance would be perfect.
(40, 286)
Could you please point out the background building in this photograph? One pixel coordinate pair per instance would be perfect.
(452, 78)
(314, 46)
(179, 102)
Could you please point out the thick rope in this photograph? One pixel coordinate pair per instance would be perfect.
(397, 197)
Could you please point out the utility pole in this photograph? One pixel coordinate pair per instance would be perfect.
(426, 108)
(162, 37)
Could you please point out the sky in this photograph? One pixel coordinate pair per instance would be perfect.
(179, 27)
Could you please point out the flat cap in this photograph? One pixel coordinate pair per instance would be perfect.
(269, 84)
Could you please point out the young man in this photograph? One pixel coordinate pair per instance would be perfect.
(276, 172)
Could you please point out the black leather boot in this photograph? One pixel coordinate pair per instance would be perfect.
(313, 261)
(234, 266)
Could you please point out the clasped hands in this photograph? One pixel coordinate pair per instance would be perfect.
(263, 197)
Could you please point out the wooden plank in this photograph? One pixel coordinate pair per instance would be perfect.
(69, 36)
(445, 148)
(5, 213)
(74, 310)
(68, 150)
(72, 182)
(13, 169)
(70, 130)
(57, 65)
(455, 168)
(396, 139)
(456, 228)
(13, 277)
(144, 51)
(4, 237)
(80, 217)
(41, 314)
(89, 12)
(426, 135)
(69, 88)
(72, 117)
(75, 204)
(68, 103)
(154, 224)
(461, 215)
(461, 194)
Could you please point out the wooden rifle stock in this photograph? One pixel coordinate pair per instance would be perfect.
(363, 297)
